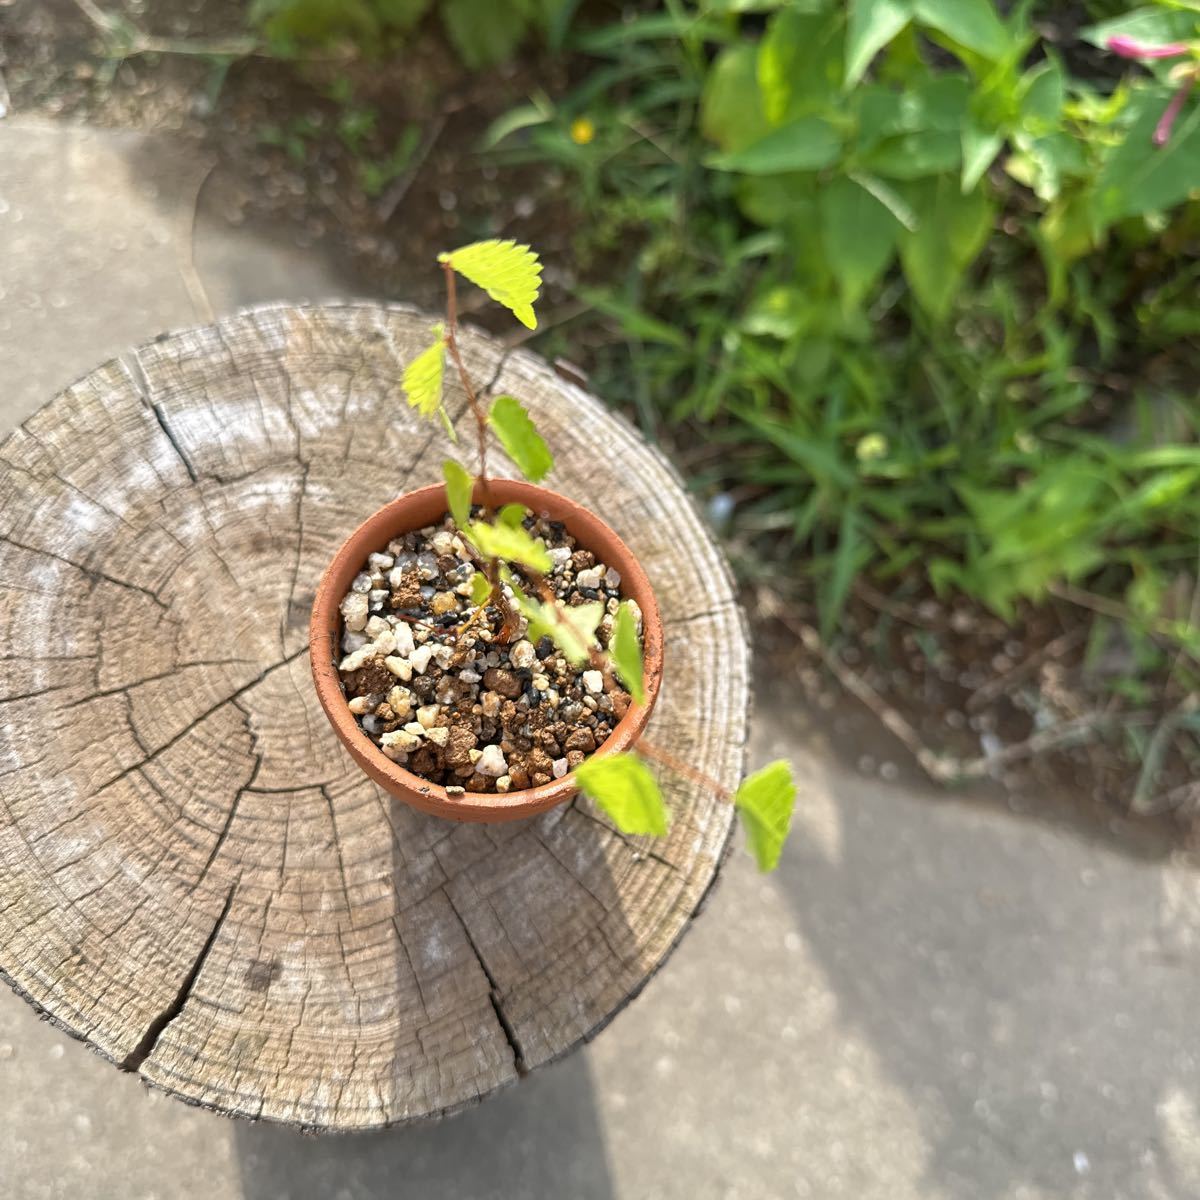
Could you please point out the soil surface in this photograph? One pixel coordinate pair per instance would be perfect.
(447, 683)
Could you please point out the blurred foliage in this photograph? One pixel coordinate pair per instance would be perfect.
(920, 271)
(484, 32)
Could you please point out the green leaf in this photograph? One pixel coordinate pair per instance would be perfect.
(512, 515)
(872, 24)
(459, 486)
(847, 560)
(1156, 26)
(804, 145)
(481, 588)
(626, 652)
(508, 272)
(800, 64)
(423, 376)
(979, 149)
(623, 786)
(859, 235)
(510, 545)
(484, 34)
(971, 23)
(917, 155)
(572, 629)
(520, 438)
(731, 111)
(887, 196)
(953, 230)
(1139, 176)
(766, 800)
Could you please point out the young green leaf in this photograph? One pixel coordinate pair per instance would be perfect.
(625, 789)
(521, 440)
(459, 486)
(627, 653)
(509, 273)
(766, 800)
(512, 515)
(510, 545)
(423, 376)
(481, 588)
(572, 630)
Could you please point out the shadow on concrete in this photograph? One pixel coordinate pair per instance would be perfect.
(1023, 991)
(539, 1139)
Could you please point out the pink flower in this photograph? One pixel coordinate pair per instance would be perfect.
(1128, 47)
(1162, 130)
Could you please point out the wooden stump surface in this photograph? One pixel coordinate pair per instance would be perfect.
(194, 878)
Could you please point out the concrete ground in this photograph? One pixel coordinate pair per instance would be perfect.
(929, 999)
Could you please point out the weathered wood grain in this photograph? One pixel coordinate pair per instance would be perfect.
(194, 878)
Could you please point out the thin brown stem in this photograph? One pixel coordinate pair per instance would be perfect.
(651, 751)
(451, 340)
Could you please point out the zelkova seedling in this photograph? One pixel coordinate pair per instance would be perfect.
(514, 565)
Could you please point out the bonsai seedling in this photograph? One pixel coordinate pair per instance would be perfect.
(537, 648)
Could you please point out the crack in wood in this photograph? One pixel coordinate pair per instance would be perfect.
(90, 572)
(137, 1056)
(494, 994)
(231, 699)
(137, 376)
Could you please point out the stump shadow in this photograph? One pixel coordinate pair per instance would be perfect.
(540, 1139)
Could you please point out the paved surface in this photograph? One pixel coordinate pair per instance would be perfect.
(928, 999)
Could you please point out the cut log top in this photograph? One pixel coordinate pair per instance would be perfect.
(194, 878)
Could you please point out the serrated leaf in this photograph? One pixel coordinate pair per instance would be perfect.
(766, 800)
(624, 787)
(481, 588)
(459, 486)
(423, 376)
(510, 545)
(626, 652)
(520, 438)
(508, 272)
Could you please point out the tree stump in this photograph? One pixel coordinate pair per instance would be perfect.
(194, 878)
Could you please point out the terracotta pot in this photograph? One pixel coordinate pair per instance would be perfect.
(416, 510)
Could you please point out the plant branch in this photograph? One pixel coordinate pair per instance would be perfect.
(451, 339)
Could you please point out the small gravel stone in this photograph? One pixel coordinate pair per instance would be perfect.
(355, 610)
(362, 583)
(360, 705)
(401, 739)
(560, 767)
(593, 681)
(504, 682)
(381, 562)
(589, 578)
(427, 714)
(399, 667)
(352, 662)
(522, 655)
(443, 603)
(492, 762)
(503, 783)
(419, 659)
(439, 735)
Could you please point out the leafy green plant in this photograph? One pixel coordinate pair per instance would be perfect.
(888, 247)
(483, 32)
(514, 564)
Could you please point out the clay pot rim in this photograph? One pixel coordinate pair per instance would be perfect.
(415, 510)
